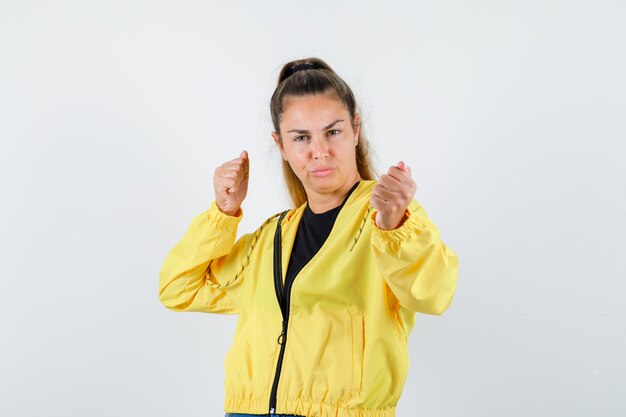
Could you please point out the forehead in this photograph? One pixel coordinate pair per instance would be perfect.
(312, 111)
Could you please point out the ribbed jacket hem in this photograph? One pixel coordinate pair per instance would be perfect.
(303, 408)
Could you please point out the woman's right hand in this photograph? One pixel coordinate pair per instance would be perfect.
(231, 184)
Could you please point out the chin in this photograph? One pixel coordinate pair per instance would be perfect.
(324, 183)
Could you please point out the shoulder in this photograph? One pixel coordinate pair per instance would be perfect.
(367, 186)
(363, 192)
(273, 220)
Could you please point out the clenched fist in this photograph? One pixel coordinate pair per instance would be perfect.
(392, 195)
(231, 184)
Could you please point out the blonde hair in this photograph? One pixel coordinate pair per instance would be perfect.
(319, 79)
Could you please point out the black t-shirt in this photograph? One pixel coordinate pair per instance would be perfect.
(313, 231)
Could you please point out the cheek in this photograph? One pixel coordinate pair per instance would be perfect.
(297, 156)
(348, 150)
(296, 160)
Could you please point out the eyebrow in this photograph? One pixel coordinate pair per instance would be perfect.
(325, 127)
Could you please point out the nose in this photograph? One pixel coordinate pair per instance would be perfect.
(320, 149)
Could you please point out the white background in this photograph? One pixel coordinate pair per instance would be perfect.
(114, 115)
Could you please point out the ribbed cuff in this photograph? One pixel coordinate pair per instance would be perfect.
(221, 219)
(410, 224)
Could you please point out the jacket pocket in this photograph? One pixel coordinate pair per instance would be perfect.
(358, 339)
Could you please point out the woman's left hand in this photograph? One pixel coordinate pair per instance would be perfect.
(392, 195)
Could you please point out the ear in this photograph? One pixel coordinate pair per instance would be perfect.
(279, 144)
(357, 128)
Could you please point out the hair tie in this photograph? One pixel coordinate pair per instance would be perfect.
(299, 67)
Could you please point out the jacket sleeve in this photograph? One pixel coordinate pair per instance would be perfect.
(204, 270)
(418, 267)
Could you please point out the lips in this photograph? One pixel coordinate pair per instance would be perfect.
(321, 171)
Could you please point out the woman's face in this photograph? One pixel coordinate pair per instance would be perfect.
(318, 141)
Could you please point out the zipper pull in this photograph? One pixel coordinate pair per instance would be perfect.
(272, 411)
(281, 338)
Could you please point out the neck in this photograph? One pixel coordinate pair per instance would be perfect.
(322, 202)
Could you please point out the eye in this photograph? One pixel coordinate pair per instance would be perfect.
(336, 130)
(299, 138)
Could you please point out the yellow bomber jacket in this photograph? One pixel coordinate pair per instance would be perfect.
(351, 309)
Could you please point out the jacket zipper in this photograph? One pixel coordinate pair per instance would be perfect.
(283, 296)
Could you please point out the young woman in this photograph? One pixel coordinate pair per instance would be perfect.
(327, 291)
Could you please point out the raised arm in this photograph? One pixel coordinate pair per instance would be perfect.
(418, 267)
(204, 271)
